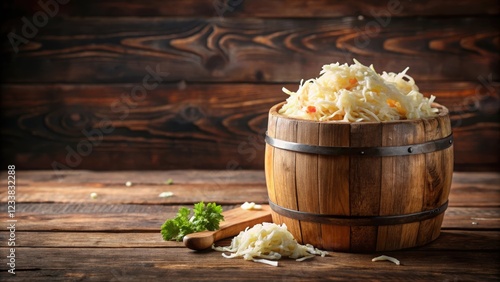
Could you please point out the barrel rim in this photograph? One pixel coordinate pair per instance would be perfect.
(443, 111)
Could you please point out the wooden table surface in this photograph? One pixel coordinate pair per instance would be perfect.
(63, 234)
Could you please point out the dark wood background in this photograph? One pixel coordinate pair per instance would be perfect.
(222, 64)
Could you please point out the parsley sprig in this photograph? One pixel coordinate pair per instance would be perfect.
(205, 217)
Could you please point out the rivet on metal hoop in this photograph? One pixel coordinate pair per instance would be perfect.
(410, 150)
(451, 141)
(362, 152)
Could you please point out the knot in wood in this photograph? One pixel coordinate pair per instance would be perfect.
(190, 114)
(73, 120)
(215, 62)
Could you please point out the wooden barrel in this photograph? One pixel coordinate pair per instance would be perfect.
(359, 187)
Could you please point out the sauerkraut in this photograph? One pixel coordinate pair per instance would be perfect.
(251, 206)
(384, 257)
(356, 93)
(268, 241)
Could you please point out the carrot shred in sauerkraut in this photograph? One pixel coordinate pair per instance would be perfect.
(356, 93)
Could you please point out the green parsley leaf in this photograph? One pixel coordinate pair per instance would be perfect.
(205, 217)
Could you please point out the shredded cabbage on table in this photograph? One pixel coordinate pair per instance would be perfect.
(268, 241)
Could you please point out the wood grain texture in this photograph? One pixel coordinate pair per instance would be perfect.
(96, 53)
(87, 178)
(333, 181)
(483, 194)
(438, 175)
(402, 186)
(95, 239)
(364, 185)
(307, 179)
(285, 180)
(77, 50)
(177, 123)
(449, 240)
(258, 8)
(140, 193)
(199, 127)
(269, 167)
(178, 265)
(149, 218)
(121, 242)
(482, 189)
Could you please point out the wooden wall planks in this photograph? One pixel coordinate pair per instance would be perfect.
(79, 50)
(262, 8)
(224, 73)
(186, 125)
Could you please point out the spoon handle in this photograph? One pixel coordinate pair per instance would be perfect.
(235, 220)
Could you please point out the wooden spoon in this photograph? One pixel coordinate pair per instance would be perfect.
(235, 220)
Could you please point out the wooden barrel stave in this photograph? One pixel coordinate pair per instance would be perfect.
(306, 170)
(402, 185)
(285, 176)
(365, 172)
(333, 186)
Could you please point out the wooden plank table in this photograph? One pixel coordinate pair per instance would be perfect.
(63, 234)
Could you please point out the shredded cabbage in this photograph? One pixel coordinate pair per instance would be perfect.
(384, 257)
(268, 241)
(251, 206)
(356, 93)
